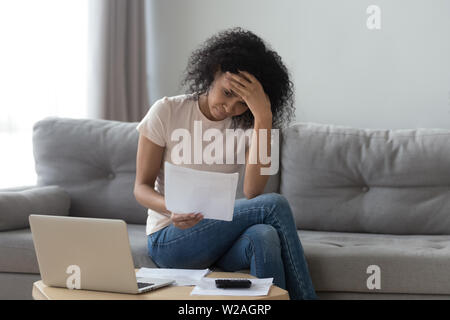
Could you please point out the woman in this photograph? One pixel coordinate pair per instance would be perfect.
(234, 81)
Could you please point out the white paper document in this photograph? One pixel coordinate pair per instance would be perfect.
(207, 286)
(182, 277)
(188, 190)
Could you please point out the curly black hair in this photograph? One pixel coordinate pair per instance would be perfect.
(234, 49)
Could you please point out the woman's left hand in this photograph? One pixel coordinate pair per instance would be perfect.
(251, 91)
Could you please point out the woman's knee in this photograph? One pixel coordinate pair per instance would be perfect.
(277, 200)
(264, 234)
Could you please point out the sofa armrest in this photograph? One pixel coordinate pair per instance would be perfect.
(18, 188)
(16, 204)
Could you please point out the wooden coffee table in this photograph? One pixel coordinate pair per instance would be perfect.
(43, 292)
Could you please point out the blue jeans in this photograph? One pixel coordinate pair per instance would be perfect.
(262, 236)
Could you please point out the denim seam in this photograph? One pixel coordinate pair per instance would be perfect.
(151, 239)
(241, 238)
(288, 250)
(254, 254)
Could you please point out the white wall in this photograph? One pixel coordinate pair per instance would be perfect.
(396, 77)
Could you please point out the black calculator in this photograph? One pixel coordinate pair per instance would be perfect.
(233, 283)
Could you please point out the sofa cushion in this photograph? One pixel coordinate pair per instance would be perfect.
(94, 160)
(17, 286)
(367, 180)
(16, 206)
(138, 244)
(338, 261)
(17, 252)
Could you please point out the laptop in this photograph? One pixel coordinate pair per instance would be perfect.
(87, 253)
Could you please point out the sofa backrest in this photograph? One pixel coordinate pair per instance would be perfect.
(338, 178)
(94, 160)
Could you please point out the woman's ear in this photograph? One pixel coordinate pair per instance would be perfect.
(210, 87)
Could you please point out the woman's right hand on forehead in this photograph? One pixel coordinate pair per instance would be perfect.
(185, 220)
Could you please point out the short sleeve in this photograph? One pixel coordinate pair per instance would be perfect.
(153, 125)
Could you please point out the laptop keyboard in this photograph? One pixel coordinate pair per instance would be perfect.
(144, 284)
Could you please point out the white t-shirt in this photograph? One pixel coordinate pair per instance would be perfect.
(179, 112)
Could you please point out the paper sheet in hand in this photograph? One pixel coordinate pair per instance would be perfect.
(188, 190)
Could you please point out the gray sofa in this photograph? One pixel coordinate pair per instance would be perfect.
(372, 206)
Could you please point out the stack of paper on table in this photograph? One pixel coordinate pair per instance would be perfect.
(207, 286)
(211, 193)
(182, 277)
